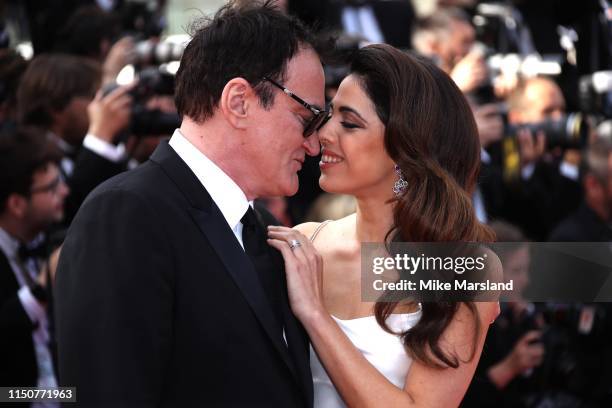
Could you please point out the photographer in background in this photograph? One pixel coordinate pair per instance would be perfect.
(56, 93)
(12, 67)
(489, 198)
(513, 348)
(543, 187)
(91, 32)
(447, 36)
(591, 222)
(32, 194)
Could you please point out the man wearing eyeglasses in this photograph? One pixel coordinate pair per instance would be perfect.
(186, 303)
(32, 195)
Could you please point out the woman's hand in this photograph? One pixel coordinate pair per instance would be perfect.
(304, 270)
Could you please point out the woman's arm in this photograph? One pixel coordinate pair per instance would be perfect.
(359, 383)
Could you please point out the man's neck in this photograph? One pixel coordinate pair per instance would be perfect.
(206, 139)
(17, 231)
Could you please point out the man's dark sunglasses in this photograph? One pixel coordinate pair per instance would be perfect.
(320, 116)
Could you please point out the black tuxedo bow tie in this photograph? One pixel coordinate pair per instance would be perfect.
(32, 251)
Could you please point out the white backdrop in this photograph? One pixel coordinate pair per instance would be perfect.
(182, 12)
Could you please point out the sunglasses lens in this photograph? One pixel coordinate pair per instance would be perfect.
(327, 115)
(316, 123)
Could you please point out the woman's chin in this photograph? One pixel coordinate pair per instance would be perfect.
(332, 186)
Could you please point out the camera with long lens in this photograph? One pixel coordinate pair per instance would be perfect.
(574, 349)
(150, 52)
(153, 81)
(570, 131)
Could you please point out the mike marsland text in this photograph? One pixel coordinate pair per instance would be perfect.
(437, 285)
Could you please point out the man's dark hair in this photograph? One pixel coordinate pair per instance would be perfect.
(251, 42)
(23, 152)
(85, 30)
(50, 82)
(438, 23)
(12, 67)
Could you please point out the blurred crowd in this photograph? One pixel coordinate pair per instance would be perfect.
(86, 92)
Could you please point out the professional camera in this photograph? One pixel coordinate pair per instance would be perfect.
(575, 339)
(150, 52)
(571, 131)
(150, 122)
(595, 93)
(512, 65)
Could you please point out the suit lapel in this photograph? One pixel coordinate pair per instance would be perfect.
(213, 226)
(297, 338)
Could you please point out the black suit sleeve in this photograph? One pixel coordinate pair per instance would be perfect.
(113, 302)
(90, 170)
(18, 364)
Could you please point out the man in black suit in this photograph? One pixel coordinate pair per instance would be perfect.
(167, 292)
(31, 198)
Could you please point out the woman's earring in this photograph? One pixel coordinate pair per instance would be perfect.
(400, 185)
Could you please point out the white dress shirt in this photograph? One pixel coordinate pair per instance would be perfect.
(37, 314)
(91, 142)
(224, 191)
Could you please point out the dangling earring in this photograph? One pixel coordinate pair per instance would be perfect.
(400, 185)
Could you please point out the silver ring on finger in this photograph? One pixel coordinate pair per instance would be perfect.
(294, 243)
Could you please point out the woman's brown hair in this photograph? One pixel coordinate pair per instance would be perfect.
(431, 134)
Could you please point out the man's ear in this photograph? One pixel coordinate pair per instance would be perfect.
(16, 205)
(236, 101)
(58, 117)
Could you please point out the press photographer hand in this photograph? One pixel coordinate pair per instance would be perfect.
(531, 149)
(121, 54)
(470, 72)
(109, 114)
(527, 354)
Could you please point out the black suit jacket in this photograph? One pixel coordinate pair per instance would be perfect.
(584, 225)
(157, 304)
(90, 170)
(17, 358)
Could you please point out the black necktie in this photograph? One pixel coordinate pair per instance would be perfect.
(37, 251)
(250, 233)
(253, 238)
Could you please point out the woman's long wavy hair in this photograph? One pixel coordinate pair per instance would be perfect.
(431, 134)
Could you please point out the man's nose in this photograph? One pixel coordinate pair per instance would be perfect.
(64, 190)
(311, 144)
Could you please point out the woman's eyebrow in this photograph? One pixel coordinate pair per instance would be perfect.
(348, 109)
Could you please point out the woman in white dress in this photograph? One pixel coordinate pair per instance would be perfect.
(401, 139)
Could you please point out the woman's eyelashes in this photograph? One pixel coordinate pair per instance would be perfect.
(349, 125)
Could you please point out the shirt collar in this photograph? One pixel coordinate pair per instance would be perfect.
(8, 244)
(224, 191)
(485, 157)
(64, 146)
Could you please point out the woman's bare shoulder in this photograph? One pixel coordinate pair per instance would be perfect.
(307, 228)
(331, 226)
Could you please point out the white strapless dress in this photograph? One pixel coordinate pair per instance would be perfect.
(383, 350)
